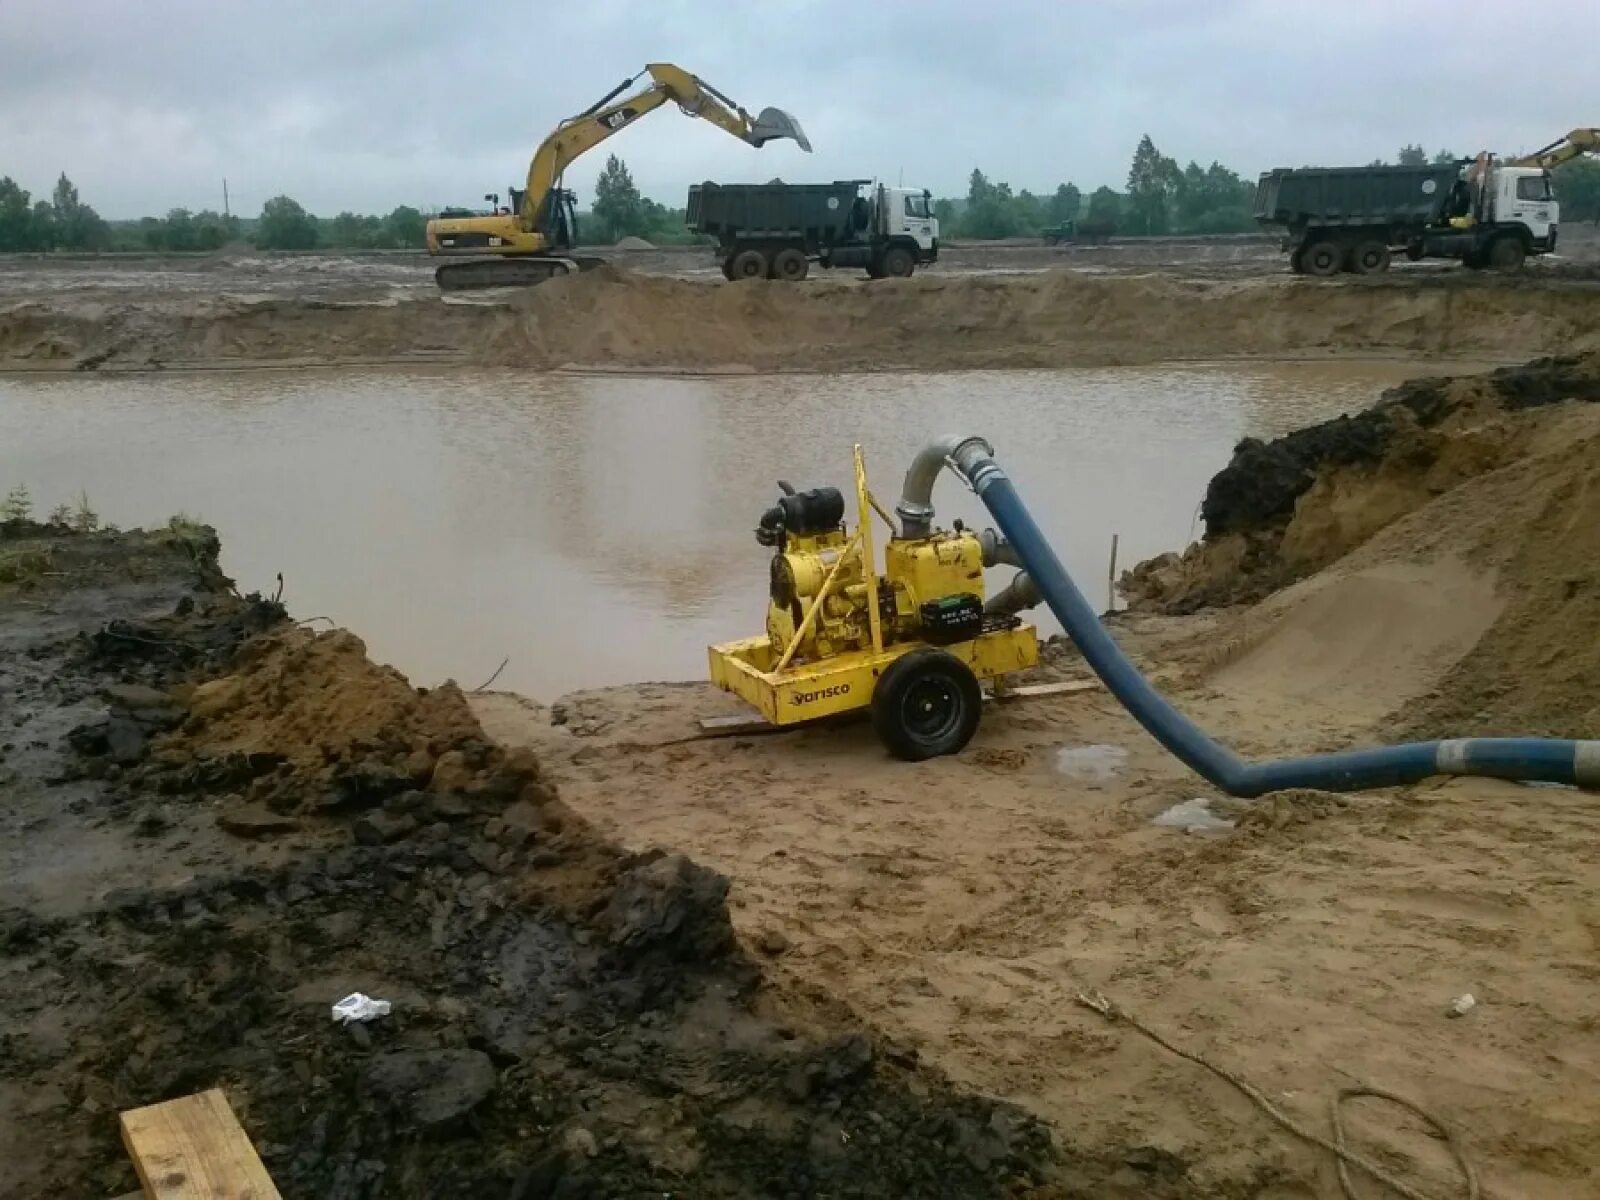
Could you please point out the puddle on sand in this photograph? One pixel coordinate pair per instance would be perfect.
(1091, 764)
(596, 529)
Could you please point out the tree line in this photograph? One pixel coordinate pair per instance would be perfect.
(1159, 198)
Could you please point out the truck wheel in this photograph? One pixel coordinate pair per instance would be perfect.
(1322, 258)
(926, 704)
(1507, 253)
(727, 268)
(1473, 260)
(1369, 258)
(748, 264)
(1297, 263)
(1414, 251)
(898, 262)
(790, 264)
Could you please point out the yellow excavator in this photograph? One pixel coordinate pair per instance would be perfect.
(531, 237)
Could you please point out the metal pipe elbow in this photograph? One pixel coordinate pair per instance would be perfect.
(915, 508)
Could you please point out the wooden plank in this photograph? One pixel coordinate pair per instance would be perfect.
(1063, 688)
(736, 725)
(194, 1149)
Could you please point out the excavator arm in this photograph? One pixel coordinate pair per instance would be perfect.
(1578, 141)
(578, 135)
(539, 225)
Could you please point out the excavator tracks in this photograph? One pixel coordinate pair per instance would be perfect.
(509, 272)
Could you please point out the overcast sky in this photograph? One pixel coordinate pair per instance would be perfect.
(365, 104)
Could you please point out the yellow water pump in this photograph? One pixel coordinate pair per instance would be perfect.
(910, 642)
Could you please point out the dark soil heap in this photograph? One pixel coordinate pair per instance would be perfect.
(1283, 509)
(568, 1020)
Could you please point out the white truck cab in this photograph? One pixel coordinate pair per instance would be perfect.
(908, 212)
(1523, 196)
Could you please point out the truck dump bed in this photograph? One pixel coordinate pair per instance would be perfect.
(1355, 195)
(815, 211)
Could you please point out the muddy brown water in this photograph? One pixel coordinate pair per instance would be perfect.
(598, 529)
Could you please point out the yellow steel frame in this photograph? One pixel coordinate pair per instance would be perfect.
(787, 695)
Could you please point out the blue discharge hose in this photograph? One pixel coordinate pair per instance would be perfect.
(1532, 759)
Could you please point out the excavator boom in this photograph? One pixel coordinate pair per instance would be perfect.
(543, 224)
(1578, 141)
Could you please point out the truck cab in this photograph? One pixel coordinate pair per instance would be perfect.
(908, 213)
(1523, 196)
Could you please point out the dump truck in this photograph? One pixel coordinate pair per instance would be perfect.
(776, 230)
(1483, 212)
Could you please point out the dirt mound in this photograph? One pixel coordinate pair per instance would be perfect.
(614, 318)
(1535, 670)
(286, 822)
(634, 243)
(1283, 509)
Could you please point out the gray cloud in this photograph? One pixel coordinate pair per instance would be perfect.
(364, 104)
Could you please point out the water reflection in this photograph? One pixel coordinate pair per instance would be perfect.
(598, 529)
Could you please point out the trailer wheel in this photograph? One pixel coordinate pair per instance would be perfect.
(1323, 258)
(790, 264)
(1369, 258)
(749, 264)
(898, 262)
(926, 704)
(1507, 253)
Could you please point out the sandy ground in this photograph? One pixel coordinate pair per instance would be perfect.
(962, 904)
(615, 319)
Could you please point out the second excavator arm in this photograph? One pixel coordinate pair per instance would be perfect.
(608, 115)
(1578, 141)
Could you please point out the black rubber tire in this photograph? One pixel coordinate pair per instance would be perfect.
(1297, 264)
(790, 265)
(897, 263)
(1369, 258)
(1472, 260)
(749, 264)
(1507, 254)
(1323, 259)
(926, 704)
(727, 268)
(1414, 251)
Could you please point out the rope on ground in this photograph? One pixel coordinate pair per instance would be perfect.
(484, 686)
(1344, 1157)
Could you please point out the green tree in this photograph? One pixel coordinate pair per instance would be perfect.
(16, 217)
(1444, 158)
(213, 230)
(405, 228)
(42, 232)
(1104, 217)
(944, 211)
(1577, 187)
(76, 225)
(617, 205)
(284, 225)
(1154, 182)
(991, 212)
(1412, 156)
(1064, 205)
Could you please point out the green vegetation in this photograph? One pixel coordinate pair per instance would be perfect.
(620, 211)
(1159, 198)
(18, 505)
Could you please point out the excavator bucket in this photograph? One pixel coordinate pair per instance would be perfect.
(772, 124)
